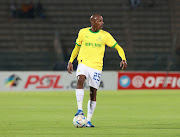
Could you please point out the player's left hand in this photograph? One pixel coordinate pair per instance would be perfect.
(123, 64)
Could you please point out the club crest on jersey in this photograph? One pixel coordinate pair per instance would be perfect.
(99, 39)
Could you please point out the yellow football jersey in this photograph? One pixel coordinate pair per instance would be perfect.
(92, 48)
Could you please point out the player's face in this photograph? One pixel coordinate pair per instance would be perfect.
(99, 23)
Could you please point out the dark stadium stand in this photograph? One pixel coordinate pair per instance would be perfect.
(27, 45)
(144, 33)
(175, 19)
(151, 35)
(36, 60)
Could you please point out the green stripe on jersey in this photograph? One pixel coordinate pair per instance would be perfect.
(77, 44)
(114, 45)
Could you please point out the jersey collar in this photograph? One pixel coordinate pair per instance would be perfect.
(93, 31)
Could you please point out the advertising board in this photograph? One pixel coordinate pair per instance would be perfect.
(110, 80)
(50, 81)
(149, 80)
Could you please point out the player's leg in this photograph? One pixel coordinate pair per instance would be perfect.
(94, 82)
(81, 74)
(91, 106)
(80, 94)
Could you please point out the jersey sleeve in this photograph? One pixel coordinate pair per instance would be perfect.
(110, 41)
(79, 38)
(74, 53)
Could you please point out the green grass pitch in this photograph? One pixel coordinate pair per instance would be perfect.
(124, 113)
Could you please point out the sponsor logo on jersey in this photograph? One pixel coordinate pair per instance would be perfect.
(93, 44)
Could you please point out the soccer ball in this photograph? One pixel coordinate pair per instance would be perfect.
(79, 121)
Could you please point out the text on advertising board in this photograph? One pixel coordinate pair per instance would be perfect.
(148, 80)
(46, 81)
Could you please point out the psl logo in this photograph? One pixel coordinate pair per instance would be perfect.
(46, 81)
(12, 81)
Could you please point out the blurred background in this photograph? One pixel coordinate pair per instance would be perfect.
(40, 35)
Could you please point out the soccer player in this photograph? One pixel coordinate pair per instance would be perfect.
(90, 47)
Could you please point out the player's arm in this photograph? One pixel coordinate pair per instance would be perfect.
(73, 56)
(109, 42)
(75, 51)
(120, 52)
(122, 55)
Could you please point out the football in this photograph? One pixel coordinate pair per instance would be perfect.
(79, 121)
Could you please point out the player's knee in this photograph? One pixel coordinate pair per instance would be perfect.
(93, 95)
(93, 98)
(80, 81)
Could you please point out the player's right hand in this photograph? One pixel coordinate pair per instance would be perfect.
(70, 68)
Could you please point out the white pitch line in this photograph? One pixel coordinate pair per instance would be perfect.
(62, 107)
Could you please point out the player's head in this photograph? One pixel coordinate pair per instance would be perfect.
(96, 21)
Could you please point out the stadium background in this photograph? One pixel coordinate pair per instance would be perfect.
(40, 47)
(149, 34)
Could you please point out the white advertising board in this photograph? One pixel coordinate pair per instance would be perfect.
(50, 81)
